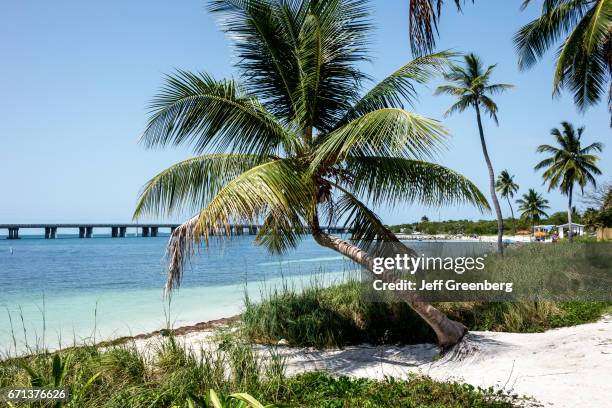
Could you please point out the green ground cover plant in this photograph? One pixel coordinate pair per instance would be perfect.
(172, 376)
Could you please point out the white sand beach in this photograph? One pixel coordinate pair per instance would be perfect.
(567, 367)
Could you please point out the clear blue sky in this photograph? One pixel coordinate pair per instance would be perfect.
(76, 77)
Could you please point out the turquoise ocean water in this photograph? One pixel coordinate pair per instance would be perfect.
(71, 289)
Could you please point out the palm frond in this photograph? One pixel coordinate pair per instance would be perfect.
(451, 90)
(216, 115)
(599, 26)
(399, 87)
(498, 88)
(329, 78)
(584, 73)
(394, 180)
(273, 189)
(266, 58)
(383, 132)
(191, 184)
(460, 106)
(535, 38)
(279, 235)
(597, 146)
(424, 17)
(490, 107)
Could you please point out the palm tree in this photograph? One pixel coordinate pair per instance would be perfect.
(424, 18)
(590, 218)
(570, 164)
(506, 187)
(297, 144)
(471, 85)
(584, 60)
(532, 206)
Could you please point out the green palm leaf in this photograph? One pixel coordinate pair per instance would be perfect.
(394, 180)
(275, 188)
(424, 17)
(195, 109)
(534, 39)
(584, 63)
(599, 26)
(398, 87)
(388, 131)
(191, 184)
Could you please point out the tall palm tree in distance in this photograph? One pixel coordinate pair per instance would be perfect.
(532, 206)
(570, 164)
(471, 85)
(584, 60)
(297, 145)
(506, 187)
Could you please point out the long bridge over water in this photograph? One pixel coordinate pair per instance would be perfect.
(119, 230)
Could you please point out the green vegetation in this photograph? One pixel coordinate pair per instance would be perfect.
(472, 88)
(466, 227)
(489, 227)
(331, 317)
(322, 391)
(340, 316)
(172, 376)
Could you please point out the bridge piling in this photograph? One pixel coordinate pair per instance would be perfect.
(13, 233)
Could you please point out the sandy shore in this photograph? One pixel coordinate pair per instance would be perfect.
(566, 367)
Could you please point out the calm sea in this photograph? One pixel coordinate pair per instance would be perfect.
(56, 292)
(72, 289)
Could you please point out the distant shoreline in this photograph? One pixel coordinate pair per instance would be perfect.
(461, 238)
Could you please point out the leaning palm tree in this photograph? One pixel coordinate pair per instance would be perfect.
(532, 207)
(297, 145)
(471, 86)
(506, 187)
(584, 60)
(570, 164)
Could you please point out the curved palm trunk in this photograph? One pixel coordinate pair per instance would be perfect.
(498, 213)
(449, 332)
(512, 214)
(570, 233)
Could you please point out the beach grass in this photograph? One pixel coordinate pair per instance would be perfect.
(171, 375)
(338, 316)
(334, 316)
